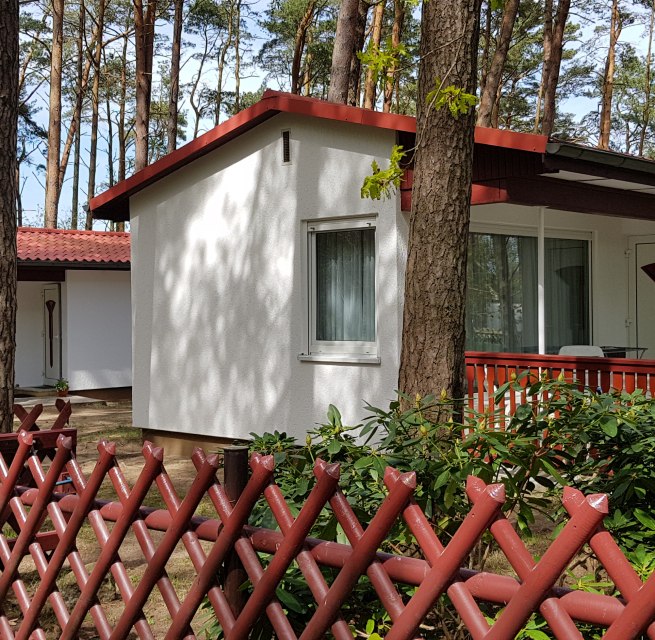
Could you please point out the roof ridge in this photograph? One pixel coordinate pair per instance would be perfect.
(92, 232)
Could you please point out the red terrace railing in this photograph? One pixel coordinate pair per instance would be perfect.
(487, 372)
(436, 573)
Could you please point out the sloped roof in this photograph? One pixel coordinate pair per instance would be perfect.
(113, 204)
(70, 247)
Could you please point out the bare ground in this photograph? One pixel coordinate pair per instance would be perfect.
(112, 422)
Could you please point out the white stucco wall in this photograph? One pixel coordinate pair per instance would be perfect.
(611, 296)
(97, 329)
(219, 293)
(218, 288)
(29, 335)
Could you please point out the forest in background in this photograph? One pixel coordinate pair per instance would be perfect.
(109, 86)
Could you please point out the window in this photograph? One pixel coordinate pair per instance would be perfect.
(502, 293)
(341, 257)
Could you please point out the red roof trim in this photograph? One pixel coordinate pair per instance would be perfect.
(109, 203)
(511, 139)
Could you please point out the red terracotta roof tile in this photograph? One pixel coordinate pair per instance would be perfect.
(69, 246)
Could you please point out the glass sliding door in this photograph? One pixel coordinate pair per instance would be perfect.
(567, 292)
(501, 306)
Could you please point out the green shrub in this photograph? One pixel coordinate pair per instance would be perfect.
(562, 435)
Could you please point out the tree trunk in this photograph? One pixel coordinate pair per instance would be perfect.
(396, 34)
(355, 77)
(299, 46)
(432, 355)
(122, 129)
(110, 126)
(555, 62)
(645, 117)
(344, 45)
(8, 194)
(54, 119)
(497, 67)
(237, 58)
(608, 79)
(144, 23)
(221, 70)
(95, 112)
(376, 38)
(175, 77)
(78, 115)
(545, 69)
(486, 47)
(19, 197)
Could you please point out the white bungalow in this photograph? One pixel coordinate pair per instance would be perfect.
(74, 315)
(264, 288)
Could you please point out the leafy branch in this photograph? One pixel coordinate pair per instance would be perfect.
(380, 184)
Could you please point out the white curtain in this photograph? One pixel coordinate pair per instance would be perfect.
(345, 285)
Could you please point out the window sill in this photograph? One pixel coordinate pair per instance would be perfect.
(338, 358)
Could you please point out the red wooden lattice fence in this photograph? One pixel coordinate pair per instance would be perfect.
(437, 572)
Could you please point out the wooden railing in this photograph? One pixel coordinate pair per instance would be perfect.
(487, 372)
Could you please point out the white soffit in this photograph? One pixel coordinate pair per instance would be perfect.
(597, 181)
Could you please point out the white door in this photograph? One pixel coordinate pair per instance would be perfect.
(51, 334)
(644, 278)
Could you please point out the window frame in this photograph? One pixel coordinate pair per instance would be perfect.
(348, 351)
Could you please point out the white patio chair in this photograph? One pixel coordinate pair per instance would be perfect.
(588, 350)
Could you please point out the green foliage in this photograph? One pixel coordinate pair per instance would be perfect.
(383, 181)
(455, 99)
(563, 435)
(380, 60)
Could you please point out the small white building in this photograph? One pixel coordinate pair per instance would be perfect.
(265, 288)
(74, 309)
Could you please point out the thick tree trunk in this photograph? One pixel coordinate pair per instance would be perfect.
(608, 79)
(376, 38)
(344, 45)
(144, 22)
(495, 72)
(396, 34)
(432, 357)
(8, 195)
(175, 77)
(54, 119)
(555, 62)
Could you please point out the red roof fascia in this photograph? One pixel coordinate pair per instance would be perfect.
(272, 103)
(511, 139)
(36, 246)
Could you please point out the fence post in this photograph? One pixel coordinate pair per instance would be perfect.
(235, 478)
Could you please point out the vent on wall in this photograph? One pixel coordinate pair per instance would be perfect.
(286, 147)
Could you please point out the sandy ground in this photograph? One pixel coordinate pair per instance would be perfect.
(111, 421)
